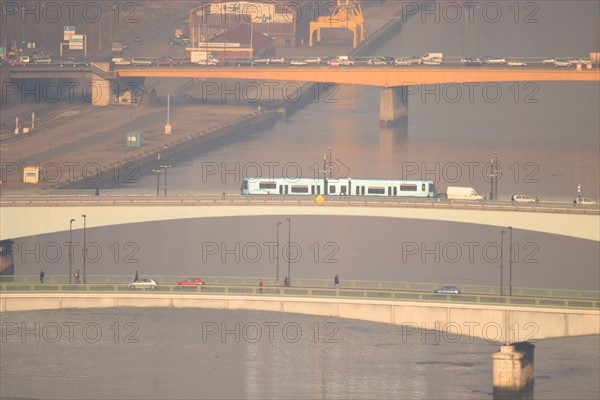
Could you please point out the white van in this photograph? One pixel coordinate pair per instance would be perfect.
(433, 57)
(462, 193)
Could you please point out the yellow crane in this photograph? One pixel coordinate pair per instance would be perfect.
(347, 15)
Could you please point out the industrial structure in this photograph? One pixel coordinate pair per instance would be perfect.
(347, 15)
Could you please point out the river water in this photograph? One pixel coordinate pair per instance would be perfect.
(546, 137)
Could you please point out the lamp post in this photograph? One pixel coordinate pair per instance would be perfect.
(277, 259)
(84, 248)
(502, 262)
(494, 177)
(289, 251)
(157, 171)
(71, 249)
(164, 168)
(510, 260)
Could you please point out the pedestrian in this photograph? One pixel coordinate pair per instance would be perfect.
(285, 281)
(42, 275)
(136, 278)
(97, 192)
(260, 286)
(336, 281)
(76, 275)
(537, 201)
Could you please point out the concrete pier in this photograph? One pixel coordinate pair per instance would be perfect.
(100, 95)
(513, 371)
(393, 106)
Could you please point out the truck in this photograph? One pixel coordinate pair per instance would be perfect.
(203, 58)
(462, 193)
(432, 57)
(117, 48)
(120, 61)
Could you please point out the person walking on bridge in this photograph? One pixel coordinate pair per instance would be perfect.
(336, 281)
(42, 275)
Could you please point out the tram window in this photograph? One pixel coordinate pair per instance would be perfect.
(318, 189)
(299, 189)
(422, 187)
(286, 189)
(331, 189)
(363, 190)
(245, 185)
(343, 191)
(267, 185)
(395, 191)
(376, 190)
(358, 190)
(312, 189)
(280, 189)
(389, 190)
(408, 188)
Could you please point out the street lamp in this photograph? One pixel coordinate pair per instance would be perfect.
(71, 249)
(494, 177)
(84, 248)
(157, 171)
(289, 251)
(510, 260)
(502, 262)
(164, 167)
(277, 275)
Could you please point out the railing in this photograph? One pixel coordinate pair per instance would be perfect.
(348, 293)
(70, 197)
(414, 288)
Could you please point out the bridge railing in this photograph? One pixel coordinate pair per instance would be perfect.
(350, 293)
(225, 281)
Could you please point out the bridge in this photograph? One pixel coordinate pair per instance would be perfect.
(35, 215)
(395, 82)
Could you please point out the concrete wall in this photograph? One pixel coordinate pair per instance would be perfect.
(452, 321)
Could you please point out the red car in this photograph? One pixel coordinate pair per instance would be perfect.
(17, 63)
(192, 282)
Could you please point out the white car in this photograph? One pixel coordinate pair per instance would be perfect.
(432, 62)
(521, 198)
(550, 60)
(377, 62)
(493, 60)
(298, 62)
(277, 60)
(584, 201)
(579, 61)
(516, 64)
(144, 283)
(562, 63)
(402, 62)
(313, 60)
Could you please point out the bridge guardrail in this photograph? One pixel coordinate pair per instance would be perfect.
(348, 293)
(315, 284)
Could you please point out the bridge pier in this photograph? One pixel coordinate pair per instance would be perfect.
(513, 371)
(100, 91)
(393, 105)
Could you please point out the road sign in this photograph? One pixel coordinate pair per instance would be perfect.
(69, 31)
(76, 42)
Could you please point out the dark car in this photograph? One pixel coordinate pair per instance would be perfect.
(447, 290)
(472, 62)
(244, 62)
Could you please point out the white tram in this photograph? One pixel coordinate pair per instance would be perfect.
(338, 187)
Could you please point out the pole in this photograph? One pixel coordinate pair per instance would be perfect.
(71, 250)
(84, 248)
(277, 274)
(496, 175)
(32, 120)
(502, 262)
(289, 251)
(330, 164)
(510, 260)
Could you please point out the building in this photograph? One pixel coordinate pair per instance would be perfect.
(239, 42)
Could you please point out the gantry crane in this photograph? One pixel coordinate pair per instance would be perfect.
(347, 15)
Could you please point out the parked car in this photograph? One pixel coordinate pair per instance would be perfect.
(298, 62)
(401, 62)
(447, 290)
(144, 283)
(378, 61)
(277, 60)
(191, 282)
(243, 62)
(516, 64)
(521, 198)
(550, 60)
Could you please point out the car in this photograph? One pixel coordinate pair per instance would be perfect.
(24, 59)
(165, 61)
(177, 42)
(244, 62)
(144, 283)
(138, 61)
(277, 60)
(378, 61)
(493, 60)
(432, 62)
(516, 64)
(583, 201)
(17, 63)
(298, 62)
(401, 62)
(137, 39)
(561, 62)
(579, 61)
(313, 60)
(471, 62)
(447, 290)
(549, 60)
(191, 282)
(521, 198)
(262, 60)
(43, 60)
